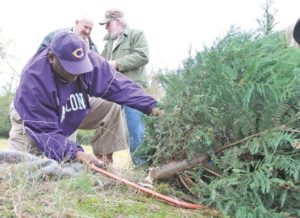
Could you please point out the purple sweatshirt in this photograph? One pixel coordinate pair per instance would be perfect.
(52, 109)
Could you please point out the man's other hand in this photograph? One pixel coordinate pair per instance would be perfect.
(157, 112)
(88, 159)
(113, 64)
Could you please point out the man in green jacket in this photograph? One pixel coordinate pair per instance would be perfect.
(127, 51)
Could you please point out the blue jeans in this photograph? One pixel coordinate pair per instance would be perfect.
(136, 128)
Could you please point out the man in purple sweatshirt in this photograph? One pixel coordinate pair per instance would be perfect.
(58, 94)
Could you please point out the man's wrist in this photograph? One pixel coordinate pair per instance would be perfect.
(79, 154)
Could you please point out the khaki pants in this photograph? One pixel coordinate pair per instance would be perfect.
(105, 117)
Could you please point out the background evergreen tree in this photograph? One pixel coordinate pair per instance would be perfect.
(6, 92)
(267, 23)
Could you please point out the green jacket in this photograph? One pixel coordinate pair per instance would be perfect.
(131, 54)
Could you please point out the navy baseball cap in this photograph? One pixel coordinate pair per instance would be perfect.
(71, 52)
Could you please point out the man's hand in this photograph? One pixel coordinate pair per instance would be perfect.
(88, 159)
(113, 64)
(157, 112)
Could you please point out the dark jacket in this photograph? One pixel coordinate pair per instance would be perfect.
(48, 39)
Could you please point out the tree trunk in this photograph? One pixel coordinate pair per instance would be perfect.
(170, 169)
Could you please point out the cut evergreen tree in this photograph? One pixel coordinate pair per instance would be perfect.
(238, 103)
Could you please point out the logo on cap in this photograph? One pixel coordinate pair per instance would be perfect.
(78, 53)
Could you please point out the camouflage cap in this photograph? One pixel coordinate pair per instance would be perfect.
(110, 15)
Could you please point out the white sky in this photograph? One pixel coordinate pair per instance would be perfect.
(170, 26)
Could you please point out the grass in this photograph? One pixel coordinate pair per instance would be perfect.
(87, 195)
(79, 197)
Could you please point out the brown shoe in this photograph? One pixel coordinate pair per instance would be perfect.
(106, 158)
